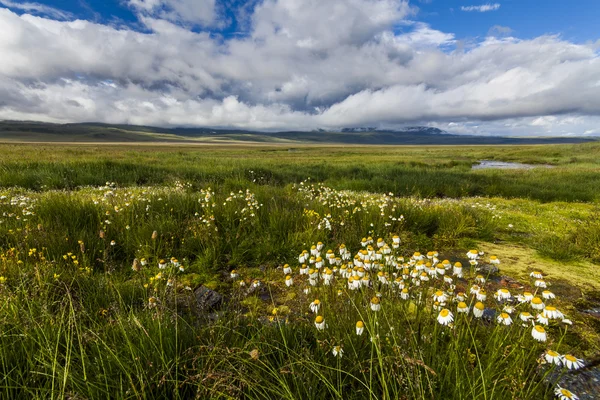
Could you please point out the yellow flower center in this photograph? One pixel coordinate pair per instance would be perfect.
(375, 300)
(570, 358)
(479, 306)
(319, 319)
(550, 308)
(504, 315)
(552, 353)
(536, 300)
(439, 293)
(444, 313)
(360, 324)
(539, 329)
(462, 304)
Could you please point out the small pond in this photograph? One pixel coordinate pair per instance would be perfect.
(489, 164)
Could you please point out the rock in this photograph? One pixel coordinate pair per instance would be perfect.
(489, 314)
(508, 282)
(584, 382)
(489, 269)
(207, 299)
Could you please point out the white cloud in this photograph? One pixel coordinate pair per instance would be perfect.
(499, 30)
(195, 12)
(37, 8)
(294, 71)
(482, 8)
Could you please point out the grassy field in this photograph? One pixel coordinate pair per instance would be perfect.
(105, 251)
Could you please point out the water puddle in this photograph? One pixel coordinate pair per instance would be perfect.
(489, 164)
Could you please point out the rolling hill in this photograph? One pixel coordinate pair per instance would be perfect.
(26, 131)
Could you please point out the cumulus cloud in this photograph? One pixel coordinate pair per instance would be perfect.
(297, 68)
(481, 8)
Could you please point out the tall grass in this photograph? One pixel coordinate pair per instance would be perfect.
(408, 171)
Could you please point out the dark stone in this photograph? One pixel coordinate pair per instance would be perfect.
(489, 269)
(207, 299)
(584, 382)
(489, 314)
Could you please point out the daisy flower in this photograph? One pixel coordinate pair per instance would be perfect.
(502, 294)
(572, 362)
(445, 317)
(508, 309)
(337, 351)
(504, 319)
(552, 357)
(440, 296)
(541, 319)
(404, 295)
(320, 323)
(474, 289)
(462, 307)
(287, 269)
(315, 305)
(375, 306)
(551, 312)
(539, 333)
(481, 295)
(537, 303)
(473, 255)
(360, 327)
(525, 316)
(564, 394)
(478, 309)
(540, 283)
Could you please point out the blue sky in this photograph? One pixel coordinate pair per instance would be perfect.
(576, 21)
(510, 67)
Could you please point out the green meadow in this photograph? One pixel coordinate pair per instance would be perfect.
(349, 272)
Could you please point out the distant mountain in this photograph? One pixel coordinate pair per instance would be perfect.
(27, 131)
(413, 129)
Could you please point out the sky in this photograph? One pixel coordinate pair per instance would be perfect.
(506, 67)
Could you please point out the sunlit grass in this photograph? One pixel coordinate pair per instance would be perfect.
(101, 249)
